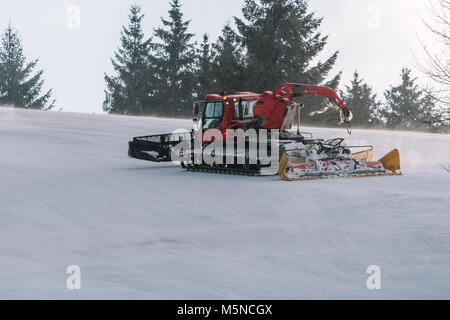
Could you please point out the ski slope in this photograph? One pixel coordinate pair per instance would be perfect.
(69, 195)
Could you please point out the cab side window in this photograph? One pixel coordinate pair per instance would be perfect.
(247, 106)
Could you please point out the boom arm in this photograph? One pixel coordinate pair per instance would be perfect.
(286, 90)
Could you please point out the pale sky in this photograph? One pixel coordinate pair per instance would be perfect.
(376, 37)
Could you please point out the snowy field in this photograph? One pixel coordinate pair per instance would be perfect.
(69, 195)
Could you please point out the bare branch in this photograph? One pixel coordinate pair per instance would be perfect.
(436, 65)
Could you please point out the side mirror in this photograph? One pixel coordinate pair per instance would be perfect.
(241, 110)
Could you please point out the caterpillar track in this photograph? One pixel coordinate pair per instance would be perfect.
(233, 170)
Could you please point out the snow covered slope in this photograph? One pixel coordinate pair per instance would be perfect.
(69, 195)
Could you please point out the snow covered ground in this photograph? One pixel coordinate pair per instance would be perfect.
(69, 195)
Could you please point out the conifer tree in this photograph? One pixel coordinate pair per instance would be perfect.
(408, 107)
(282, 39)
(205, 80)
(176, 56)
(228, 68)
(130, 91)
(362, 101)
(19, 85)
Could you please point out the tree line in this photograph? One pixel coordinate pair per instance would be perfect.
(275, 41)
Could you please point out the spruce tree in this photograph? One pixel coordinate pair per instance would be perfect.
(205, 81)
(281, 39)
(229, 67)
(130, 90)
(176, 56)
(408, 107)
(362, 101)
(19, 85)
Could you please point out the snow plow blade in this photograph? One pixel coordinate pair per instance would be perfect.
(391, 161)
(293, 168)
(156, 148)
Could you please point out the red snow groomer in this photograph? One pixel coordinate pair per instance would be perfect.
(299, 156)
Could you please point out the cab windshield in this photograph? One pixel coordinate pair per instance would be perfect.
(213, 115)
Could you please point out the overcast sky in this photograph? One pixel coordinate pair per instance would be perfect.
(376, 37)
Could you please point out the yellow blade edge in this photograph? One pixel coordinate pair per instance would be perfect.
(391, 161)
(282, 167)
